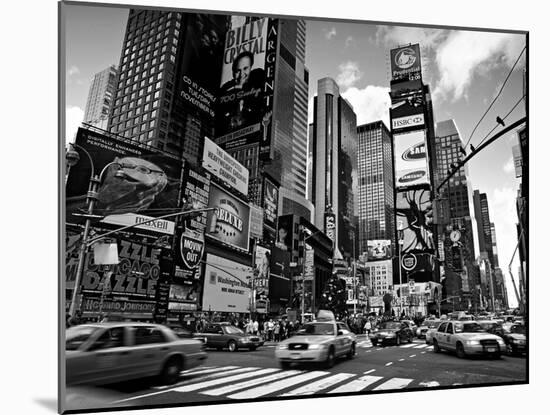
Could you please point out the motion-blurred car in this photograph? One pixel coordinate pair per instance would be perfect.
(429, 335)
(114, 352)
(412, 325)
(225, 335)
(491, 326)
(467, 338)
(515, 339)
(425, 326)
(391, 332)
(321, 341)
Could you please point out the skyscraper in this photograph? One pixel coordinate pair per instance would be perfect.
(484, 227)
(334, 167)
(170, 69)
(460, 253)
(375, 195)
(100, 97)
(494, 241)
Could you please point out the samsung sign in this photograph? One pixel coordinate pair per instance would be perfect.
(410, 121)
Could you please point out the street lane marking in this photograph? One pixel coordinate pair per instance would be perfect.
(198, 369)
(429, 384)
(422, 352)
(401, 360)
(408, 345)
(395, 383)
(369, 371)
(357, 385)
(254, 382)
(421, 346)
(274, 387)
(412, 355)
(390, 363)
(319, 385)
(207, 384)
(215, 369)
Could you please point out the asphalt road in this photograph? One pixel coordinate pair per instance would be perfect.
(246, 375)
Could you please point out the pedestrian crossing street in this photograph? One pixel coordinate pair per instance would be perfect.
(234, 382)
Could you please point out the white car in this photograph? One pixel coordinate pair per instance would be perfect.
(115, 352)
(467, 338)
(319, 341)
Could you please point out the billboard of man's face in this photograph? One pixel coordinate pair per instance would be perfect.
(241, 69)
(130, 184)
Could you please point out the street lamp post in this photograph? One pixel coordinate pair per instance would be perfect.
(400, 247)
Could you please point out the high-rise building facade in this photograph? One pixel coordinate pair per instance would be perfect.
(100, 97)
(460, 255)
(334, 168)
(484, 227)
(494, 241)
(169, 73)
(376, 186)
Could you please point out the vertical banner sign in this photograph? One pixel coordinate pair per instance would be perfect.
(309, 269)
(261, 272)
(330, 225)
(189, 252)
(256, 222)
(196, 188)
(270, 203)
(163, 286)
(413, 211)
(269, 87)
(411, 162)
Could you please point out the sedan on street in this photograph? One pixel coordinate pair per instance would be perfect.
(425, 326)
(467, 338)
(515, 339)
(114, 352)
(225, 335)
(395, 332)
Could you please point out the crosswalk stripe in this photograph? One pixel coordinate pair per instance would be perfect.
(319, 385)
(215, 369)
(207, 384)
(394, 383)
(405, 346)
(254, 382)
(274, 387)
(357, 385)
(421, 346)
(198, 369)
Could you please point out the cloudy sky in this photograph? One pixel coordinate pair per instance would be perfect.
(465, 70)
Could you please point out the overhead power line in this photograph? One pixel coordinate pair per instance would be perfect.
(494, 100)
(504, 118)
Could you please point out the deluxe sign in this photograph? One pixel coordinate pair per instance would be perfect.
(410, 121)
(219, 162)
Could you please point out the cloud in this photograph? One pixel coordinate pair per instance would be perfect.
(329, 34)
(349, 41)
(73, 118)
(73, 70)
(509, 166)
(349, 74)
(393, 36)
(370, 104)
(463, 55)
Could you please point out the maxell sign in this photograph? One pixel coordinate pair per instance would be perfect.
(406, 122)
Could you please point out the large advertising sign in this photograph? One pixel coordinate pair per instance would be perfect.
(261, 272)
(188, 254)
(229, 223)
(256, 222)
(134, 179)
(128, 287)
(411, 162)
(270, 203)
(405, 62)
(225, 285)
(245, 101)
(413, 216)
(378, 249)
(222, 165)
(284, 232)
(279, 277)
(183, 297)
(201, 61)
(196, 190)
(330, 225)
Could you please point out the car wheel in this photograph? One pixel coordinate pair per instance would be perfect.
(232, 346)
(252, 348)
(330, 358)
(171, 371)
(351, 352)
(410, 338)
(460, 351)
(284, 365)
(436, 346)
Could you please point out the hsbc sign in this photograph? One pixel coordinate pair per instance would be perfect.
(410, 121)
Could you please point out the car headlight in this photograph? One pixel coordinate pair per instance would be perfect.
(316, 346)
(472, 342)
(281, 347)
(243, 339)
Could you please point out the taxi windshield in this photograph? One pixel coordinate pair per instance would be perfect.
(390, 325)
(468, 328)
(518, 329)
(233, 330)
(321, 329)
(76, 336)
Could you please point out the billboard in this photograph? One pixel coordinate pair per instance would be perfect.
(261, 272)
(183, 297)
(405, 62)
(134, 180)
(245, 99)
(419, 267)
(196, 190)
(130, 287)
(256, 222)
(230, 222)
(225, 285)
(279, 276)
(413, 217)
(188, 254)
(378, 249)
(270, 200)
(217, 161)
(201, 61)
(407, 100)
(411, 162)
(284, 232)
(330, 225)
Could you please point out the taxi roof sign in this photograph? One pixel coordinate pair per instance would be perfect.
(325, 315)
